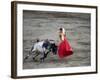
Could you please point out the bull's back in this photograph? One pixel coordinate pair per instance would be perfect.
(38, 46)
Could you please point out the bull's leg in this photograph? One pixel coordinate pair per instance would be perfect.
(42, 58)
(45, 55)
(27, 56)
(30, 53)
(36, 55)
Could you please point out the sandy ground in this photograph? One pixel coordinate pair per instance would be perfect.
(44, 25)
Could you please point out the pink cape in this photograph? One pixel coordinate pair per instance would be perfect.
(64, 49)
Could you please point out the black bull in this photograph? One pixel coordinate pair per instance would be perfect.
(50, 47)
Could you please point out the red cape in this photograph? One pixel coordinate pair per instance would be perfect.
(64, 49)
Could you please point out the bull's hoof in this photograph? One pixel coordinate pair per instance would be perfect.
(34, 59)
(26, 57)
(41, 60)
